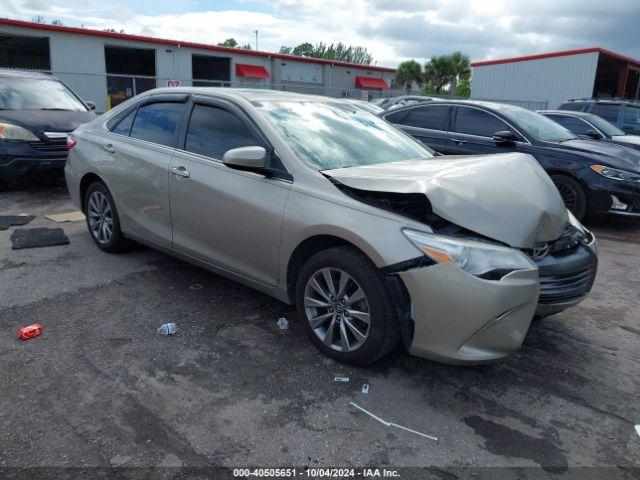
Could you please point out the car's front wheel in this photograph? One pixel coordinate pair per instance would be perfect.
(102, 219)
(346, 306)
(573, 195)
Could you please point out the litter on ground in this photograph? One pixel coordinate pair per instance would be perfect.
(282, 323)
(76, 216)
(7, 221)
(30, 331)
(37, 237)
(638, 429)
(196, 286)
(341, 379)
(390, 424)
(167, 329)
(365, 388)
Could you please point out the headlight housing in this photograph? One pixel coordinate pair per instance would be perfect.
(616, 174)
(8, 131)
(485, 260)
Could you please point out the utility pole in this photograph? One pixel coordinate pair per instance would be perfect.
(256, 32)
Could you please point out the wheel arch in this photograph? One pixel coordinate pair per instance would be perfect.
(85, 182)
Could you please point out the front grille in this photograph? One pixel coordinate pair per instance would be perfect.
(558, 288)
(55, 145)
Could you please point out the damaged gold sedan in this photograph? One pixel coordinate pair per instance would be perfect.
(323, 205)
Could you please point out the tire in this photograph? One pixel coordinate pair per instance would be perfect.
(381, 333)
(573, 195)
(100, 207)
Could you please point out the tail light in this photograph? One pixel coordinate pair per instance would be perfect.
(71, 142)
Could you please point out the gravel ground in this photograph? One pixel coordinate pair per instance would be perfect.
(101, 389)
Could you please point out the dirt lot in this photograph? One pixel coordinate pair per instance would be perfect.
(101, 388)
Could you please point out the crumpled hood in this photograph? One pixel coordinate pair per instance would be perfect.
(506, 197)
(616, 156)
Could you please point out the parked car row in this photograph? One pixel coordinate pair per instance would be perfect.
(592, 177)
(447, 225)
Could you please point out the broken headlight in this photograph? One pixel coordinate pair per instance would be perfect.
(485, 260)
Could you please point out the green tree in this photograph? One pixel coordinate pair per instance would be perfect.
(407, 73)
(229, 42)
(438, 72)
(464, 88)
(338, 52)
(460, 71)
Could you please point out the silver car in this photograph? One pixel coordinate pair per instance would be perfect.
(326, 206)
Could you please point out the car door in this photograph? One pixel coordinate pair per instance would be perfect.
(140, 147)
(472, 132)
(427, 123)
(226, 217)
(609, 111)
(631, 119)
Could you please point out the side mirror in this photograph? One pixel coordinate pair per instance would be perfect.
(593, 134)
(252, 159)
(504, 138)
(90, 104)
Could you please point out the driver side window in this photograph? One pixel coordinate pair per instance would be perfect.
(473, 121)
(212, 131)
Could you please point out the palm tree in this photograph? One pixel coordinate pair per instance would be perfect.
(407, 73)
(438, 72)
(460, 70)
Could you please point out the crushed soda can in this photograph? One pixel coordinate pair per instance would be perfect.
(30, 331)
(282, 323)
(167, 329)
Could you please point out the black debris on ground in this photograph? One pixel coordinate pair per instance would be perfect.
(7, 221)
(37, 237)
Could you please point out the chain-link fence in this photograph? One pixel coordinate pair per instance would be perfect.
(108, 90)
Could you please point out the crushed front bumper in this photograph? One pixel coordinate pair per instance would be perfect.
(462, 319)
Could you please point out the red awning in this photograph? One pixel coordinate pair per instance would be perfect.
(368, 82)
(251, 71)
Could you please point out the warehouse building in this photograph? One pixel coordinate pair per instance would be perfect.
(552, 78)
(108, 67)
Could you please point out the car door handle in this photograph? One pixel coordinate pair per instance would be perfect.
(181, 172)
(109, 147)
(458, 141)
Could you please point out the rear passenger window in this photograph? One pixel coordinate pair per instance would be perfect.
(434, 117)
(608, 111)
(212, 131)
(157, 122)
(472, 121)
(124, 126)
(631, 114)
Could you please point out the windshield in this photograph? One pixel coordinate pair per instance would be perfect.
(37, 94)
(536, 125)
(609, 129)
(336, 135)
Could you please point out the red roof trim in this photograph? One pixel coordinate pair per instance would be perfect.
(563, 53)
(251, 71)
(369, 82)
(203, 46)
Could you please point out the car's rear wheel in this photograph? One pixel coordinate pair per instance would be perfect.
(573, 195)
(346, 307)
(102, 219)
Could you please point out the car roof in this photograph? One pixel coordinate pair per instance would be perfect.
(6, 73)
(602, 100)
(470, 103)
(572, 113)
(250, 94)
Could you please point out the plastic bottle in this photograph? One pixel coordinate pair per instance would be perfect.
(168, 329)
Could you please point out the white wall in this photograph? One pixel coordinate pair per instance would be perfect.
(553, 80)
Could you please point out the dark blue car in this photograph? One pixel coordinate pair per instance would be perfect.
(592, 177)
(37, 112)
(624, 114)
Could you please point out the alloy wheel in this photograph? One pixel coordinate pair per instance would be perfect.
(569, 195)
(100, 217)
(337, 309)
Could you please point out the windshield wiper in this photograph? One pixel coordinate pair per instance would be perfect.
(58, 109)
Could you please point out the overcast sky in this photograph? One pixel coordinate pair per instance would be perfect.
(392, 30)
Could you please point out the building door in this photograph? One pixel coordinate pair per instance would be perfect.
(130, 71)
